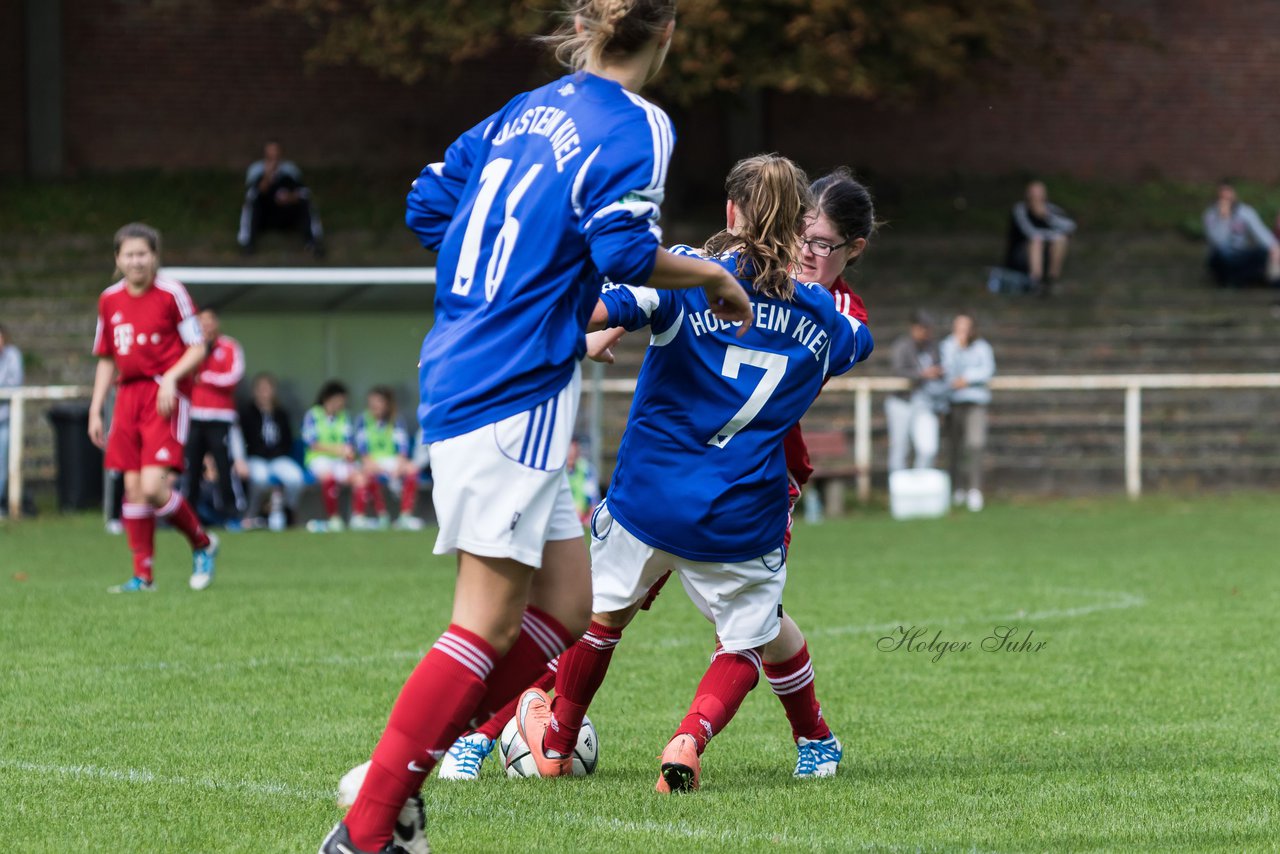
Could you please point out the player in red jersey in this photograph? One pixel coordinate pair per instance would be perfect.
(148, 332)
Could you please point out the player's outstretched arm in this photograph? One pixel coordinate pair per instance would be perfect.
(725, 295)
(102, 377)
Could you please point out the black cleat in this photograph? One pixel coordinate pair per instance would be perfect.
(339, 842)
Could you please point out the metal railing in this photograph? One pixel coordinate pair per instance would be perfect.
(862, 387)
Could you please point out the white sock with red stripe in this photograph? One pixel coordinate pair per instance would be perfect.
(792, 681)
(432, 710)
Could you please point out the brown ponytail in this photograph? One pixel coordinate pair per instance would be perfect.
(609, 28)
(772, 195)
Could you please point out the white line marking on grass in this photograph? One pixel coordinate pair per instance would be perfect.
(142, 776)
(1112, 600)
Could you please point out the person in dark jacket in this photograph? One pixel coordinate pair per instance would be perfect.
(268, 440)
(1038, 232)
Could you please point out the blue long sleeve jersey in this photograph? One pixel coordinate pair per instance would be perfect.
(530, 211)
(701, 469)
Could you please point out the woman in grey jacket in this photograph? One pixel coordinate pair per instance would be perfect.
(968, 364)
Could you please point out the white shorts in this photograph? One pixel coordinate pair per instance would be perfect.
(389, 466)
(744, 600)
(501, 490)
(326, 467)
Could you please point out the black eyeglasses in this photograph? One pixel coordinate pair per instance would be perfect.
(822, 248)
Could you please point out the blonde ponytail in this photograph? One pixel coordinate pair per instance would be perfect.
(771, 194)
(609, 28)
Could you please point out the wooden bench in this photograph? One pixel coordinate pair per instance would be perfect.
(833, 467)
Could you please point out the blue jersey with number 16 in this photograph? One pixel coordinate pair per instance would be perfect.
(701, 469)
(530, 211)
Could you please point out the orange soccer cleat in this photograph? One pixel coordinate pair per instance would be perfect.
(681, 767)
(533, 717)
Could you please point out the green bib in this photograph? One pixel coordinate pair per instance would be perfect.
(329, 431)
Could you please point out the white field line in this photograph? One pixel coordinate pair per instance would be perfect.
(1117, 600)
(141, 776)
(214, 666)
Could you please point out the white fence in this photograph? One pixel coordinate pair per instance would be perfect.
(862, 387)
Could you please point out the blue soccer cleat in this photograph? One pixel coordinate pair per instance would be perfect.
(818, 757)
(202, 561)
(464, 759)
(134, 585)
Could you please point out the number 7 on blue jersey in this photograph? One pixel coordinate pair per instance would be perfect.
(774, 366)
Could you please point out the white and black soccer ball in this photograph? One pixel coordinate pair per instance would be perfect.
(349, 786)
(518, 761)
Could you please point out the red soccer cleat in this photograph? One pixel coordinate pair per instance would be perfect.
(681, 766)
(533, 717)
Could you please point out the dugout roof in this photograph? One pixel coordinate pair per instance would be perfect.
(310, 289)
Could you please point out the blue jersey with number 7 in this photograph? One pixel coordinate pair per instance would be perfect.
(530, 211)
(701, 470)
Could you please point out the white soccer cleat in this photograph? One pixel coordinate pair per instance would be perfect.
(411, 825)
(409, 523)
(363, 523)
(817, 757)
(465, 757)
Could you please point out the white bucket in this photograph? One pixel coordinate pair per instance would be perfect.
(919, 494)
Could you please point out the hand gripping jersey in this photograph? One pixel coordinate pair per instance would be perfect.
(713, 408)
(530, 211)
(146, 335)
(380, 439)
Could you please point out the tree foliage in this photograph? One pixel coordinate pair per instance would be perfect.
(890, 50)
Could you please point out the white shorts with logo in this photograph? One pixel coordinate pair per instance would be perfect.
(501, 490)
(744, 600)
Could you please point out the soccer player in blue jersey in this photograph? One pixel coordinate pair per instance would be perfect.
(713, 406)
(529, 212)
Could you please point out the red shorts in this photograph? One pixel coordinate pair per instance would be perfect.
(140, 436)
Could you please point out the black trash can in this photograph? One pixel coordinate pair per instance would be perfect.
(79, 460)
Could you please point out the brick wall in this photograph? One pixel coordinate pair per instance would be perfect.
(13, 99)
(201, 84)
(1196, 106)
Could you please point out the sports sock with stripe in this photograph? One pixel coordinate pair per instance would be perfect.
(725, 685)
(792, 681)
(579, 675)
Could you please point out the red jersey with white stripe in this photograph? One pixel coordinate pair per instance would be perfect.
(214, 398)
(798, 465)
(146, 335)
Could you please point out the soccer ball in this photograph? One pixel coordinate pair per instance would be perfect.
(349, 785)
(518, 761)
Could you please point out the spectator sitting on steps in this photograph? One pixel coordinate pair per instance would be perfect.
(276, 198)
(1038, 233)
(1241, 249)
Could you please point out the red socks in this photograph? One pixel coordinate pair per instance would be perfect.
(408, 494)
(492, 728)
(329, 493)
(182, 517)
(139, 522)
(541, 639)
(580, 673)
(725, 685)
(375, 495)
(431, 711)
(456, 683)
(359, 498)
(792, 681)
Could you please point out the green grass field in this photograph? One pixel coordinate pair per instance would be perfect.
(221, 721)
